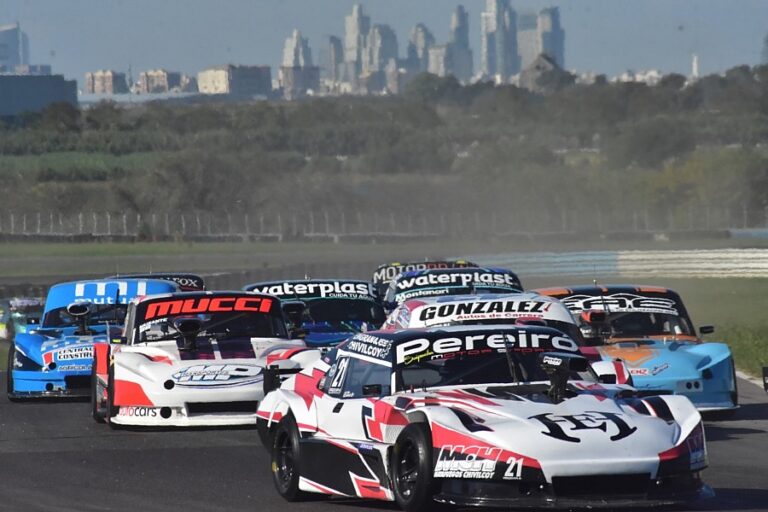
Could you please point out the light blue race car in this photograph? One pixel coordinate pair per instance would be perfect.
(54, 358)
(650, 330)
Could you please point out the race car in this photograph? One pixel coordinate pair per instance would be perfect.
(54, 359)
(193, 359)
(451, 281)
(329, 310)
(387, 272)
(496, 416)
(649, 329)
(186, 282)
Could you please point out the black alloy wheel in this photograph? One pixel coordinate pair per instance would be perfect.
(413, 484)
(286, 457)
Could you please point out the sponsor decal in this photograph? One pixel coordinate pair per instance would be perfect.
(217, 375)
(467, 462)
(97, 291)
(368, 345)
(442, 348)
(331, 289)
(514, 469)
(469, 310)
(554, 361)
(560, 426)
(464, 279)
(389, 272)
(71, 353)
(621, 302)
(166, 308)
(138, 412)
(639, 372)
(74, 368)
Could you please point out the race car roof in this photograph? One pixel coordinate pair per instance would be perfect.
(396, 347)
(309, 289)
(388, 271)
(187, 282)
(104, 291)
(507, 306)
(618, 297)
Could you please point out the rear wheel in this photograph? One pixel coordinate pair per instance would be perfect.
(286, 454)
(412, 481)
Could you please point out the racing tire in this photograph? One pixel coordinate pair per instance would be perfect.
(97, 411)
(112, 410)
(286, 457)
(413, 485)
(9, 375)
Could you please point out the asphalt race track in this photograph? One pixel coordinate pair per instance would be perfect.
(53, 457)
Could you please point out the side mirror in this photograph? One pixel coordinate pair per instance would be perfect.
(372, 390)
(607, 373)
(553, 362)
(706, 329)
(271, 379)
(79, 309)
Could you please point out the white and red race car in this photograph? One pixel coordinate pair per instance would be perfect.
(193, 359)
(496, 416)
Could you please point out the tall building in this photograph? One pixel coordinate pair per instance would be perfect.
(158, 81)
(105, 81)
(462, 64)
(32, 93)
(418, 48)
(331, 57)
(541, 33)
(236, 80)
(552, 35)
(356, 29)
(14, 47)
(498, 30)
(381, 48)
(296, 51)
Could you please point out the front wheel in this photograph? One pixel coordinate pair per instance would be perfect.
(413, 485)
(111, 409)
(286, 454)
(97, 410)
(9, 389)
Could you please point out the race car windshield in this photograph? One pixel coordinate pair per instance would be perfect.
(221, 326)
(100, 314)
(340, 312)
(475, 369)
(647, 324)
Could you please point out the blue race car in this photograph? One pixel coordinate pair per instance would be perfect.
(54, 359)
(649, 329)
(326, 311)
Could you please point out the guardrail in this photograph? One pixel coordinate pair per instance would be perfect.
(673, 263)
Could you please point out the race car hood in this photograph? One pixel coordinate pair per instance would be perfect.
(586, 434)
(652, 361)
(62, 349)
(213, 363)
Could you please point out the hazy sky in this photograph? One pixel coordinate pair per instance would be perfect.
(606, 36)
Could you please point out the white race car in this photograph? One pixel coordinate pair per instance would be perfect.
(193, 359)
(496, 416)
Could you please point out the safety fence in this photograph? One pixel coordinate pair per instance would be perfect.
(335, 226)
(672, 264)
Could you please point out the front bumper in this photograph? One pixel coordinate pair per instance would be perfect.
(603, 493)
(50, 384)
(183, 416)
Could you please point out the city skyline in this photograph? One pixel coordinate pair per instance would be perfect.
(603, 44)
